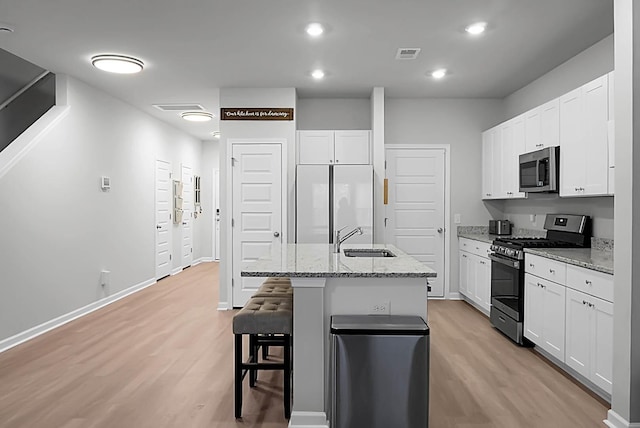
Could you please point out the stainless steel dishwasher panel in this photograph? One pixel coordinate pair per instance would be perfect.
(380, 377)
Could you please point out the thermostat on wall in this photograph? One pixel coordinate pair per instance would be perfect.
(105, 182)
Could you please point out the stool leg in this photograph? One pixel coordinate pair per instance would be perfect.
(253, 358)
(265, 350)
(238, 375)
(287, 376)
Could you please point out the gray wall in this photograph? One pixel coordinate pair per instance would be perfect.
(333, 113)
(591, 63)
(584, 67)
(459, 123)
(59, 229)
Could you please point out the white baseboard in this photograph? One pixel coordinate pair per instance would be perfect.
(202, 260)
(176, 271)
(223, 306)
(614, 420)
(33, 332)
(455, 296)
(308, 420)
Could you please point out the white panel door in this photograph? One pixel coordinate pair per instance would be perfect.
(353, 201)
(312, 204)
(216, 226)
(257, 210)
(415, 213)
(164, 207)
(187, 216)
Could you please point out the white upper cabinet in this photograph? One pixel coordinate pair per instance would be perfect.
(513, 145)
(501, 148)
(334, 147)
(542, 126)
(488, 165)
(584, 117)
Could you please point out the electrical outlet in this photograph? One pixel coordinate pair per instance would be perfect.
(380, 308)
(456, 218)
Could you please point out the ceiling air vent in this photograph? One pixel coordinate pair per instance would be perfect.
(407, 53)
(178, 107)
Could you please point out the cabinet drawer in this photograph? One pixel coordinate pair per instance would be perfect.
(478, 248)
(588, 281)
(546, 268)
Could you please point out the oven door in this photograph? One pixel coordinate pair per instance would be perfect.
(507, 285)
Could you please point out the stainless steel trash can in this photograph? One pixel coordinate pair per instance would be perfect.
(379, 371)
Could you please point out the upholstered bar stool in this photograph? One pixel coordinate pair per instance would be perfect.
(263, 316)
(277, 287)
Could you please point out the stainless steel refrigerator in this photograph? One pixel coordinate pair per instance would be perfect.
(330, 197)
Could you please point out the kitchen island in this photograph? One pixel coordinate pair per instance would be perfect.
(324, 284)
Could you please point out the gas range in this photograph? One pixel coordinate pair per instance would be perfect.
(514, 247)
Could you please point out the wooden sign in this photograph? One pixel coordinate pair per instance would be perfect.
(256, 113)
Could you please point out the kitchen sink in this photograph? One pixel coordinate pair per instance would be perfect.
(368, 252)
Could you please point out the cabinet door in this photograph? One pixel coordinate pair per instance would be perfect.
(595, 99)
(507, 161)
(611, 142)
(573, 156)
(517, 148)
(315, 147)
(484, 282)
(464, 273)
(533, 309)
(601, 360)
(497, 175)
(553, 318)
(532, 130)
(550, 124)
(352, 147)
(487, 163)
(578, 336)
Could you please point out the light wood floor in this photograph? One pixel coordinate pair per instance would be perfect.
(163, 358)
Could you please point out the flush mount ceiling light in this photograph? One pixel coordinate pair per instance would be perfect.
(117, 63)
(5, 28)
(314, 29)
(476, 28)
(197, 116)
(439, 73)
(317, 74)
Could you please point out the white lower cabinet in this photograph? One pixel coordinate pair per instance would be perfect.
(571, 319)
(589, 333)
(475, 272)
(544, 314)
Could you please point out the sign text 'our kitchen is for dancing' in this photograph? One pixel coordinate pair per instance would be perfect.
(256, 114)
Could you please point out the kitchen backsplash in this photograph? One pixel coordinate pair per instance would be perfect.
(602, 244)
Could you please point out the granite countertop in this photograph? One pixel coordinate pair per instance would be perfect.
(589, 258)
(318, 260)
(482, 237)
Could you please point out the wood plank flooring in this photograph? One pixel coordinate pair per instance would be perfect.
(163, 358)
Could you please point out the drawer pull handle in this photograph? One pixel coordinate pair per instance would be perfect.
(531, 265)
(584, 302)
(552, 271)
(502, 319)
(586, 281)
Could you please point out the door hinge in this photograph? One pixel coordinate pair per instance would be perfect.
(232, 223)
(385, 221)
(192, 250)
(169, 256)
(385, 164)
(233, 161)
(231, 282)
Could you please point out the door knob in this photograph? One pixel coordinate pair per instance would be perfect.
(158, 226)
(276, 234)
(440, 230)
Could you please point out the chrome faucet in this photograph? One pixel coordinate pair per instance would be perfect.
(339, 240)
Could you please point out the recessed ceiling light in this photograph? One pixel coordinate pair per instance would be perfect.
(117, 63)
(439, 74)
(317, 74)
(315, 29)
(197, 116)
(216, 134)
(476, 28)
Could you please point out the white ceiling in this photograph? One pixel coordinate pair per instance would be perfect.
(192, 48)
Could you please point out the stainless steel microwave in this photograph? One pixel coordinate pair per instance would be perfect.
(540, 170)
